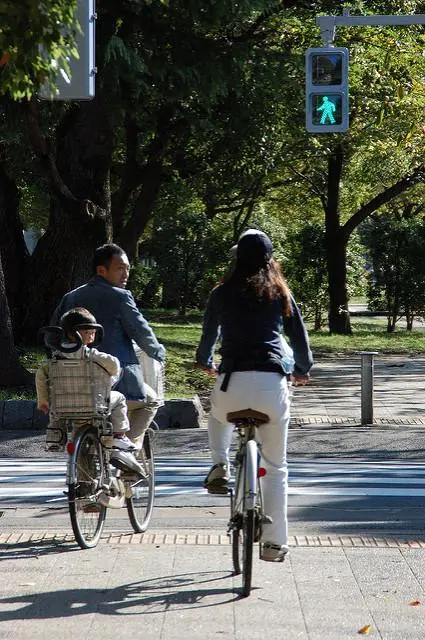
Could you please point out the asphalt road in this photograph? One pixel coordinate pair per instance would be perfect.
(314, 511)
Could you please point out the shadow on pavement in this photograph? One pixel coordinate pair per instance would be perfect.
(191, 590)
(35, 549)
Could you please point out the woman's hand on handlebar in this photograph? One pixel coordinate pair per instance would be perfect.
(299, 380)
(211, 371)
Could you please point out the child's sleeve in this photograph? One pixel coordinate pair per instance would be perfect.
(42, 383)
(111, 364)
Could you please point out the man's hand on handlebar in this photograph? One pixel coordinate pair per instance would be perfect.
(299, 380)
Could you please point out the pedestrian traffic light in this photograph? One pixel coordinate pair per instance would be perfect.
(80, 83)
(326, 105)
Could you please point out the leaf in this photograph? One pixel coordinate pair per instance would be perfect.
(415, 603)
(364, 631)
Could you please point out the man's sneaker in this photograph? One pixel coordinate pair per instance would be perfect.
(273, 552)
(126, 461)
(123, 443)
(217, 480)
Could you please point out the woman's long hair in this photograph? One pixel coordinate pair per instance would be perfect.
(264, 283)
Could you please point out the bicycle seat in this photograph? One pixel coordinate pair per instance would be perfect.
(247, 414)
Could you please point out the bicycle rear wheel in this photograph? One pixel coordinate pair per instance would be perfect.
(87, 515)
(140, 505)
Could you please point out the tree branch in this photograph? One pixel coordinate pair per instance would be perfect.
(131, 175)
(45, 154)
(418, 175)
(253, 30)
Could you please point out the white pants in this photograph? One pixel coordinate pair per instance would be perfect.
(268, 393)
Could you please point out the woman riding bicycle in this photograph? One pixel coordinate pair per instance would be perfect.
(248, 310)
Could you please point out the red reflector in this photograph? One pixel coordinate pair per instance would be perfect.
(261, 472)
(70, 447)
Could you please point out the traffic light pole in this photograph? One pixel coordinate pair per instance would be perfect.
(328, 24)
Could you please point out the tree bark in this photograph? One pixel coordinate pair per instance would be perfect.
(336, 248)
(80, 210)
(131, 232)
(12, 373)
(12, 249)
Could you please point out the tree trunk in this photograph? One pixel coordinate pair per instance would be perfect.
(12, 249)
(80, 210)
(336, 249)
(12, 373)
(61, 261)
(131, 232)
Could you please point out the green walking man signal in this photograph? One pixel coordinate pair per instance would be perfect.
(326, 73)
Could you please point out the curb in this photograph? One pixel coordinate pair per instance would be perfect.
(176, 413)
(347, 421)
(215, 538)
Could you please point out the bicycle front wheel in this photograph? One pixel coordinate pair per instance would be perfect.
(140, 504)
(243, 515)
(242, 549)
(87, 515)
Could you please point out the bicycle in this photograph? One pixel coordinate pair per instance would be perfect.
(246, 503)
(94, 485)
(79, 392)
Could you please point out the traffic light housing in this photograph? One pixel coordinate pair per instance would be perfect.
(80, 84)
(326, 73)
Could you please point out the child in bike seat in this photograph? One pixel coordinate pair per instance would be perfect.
(81, 320)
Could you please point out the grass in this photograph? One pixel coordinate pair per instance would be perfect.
(181, 335)
(369, 334)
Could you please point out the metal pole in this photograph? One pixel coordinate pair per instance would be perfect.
(367, 368)
(328, 24)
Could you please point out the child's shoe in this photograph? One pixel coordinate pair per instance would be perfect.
(123, 443)
(55, 439)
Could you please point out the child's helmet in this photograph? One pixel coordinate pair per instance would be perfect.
(79, 319)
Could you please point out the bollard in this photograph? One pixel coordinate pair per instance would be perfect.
(367, 385)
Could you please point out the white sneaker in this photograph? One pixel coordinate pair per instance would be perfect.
(123, 443)
(217, 480)
(273, 552)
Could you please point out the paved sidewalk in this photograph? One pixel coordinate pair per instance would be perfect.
(175, 585)
(333, 395)
(51, 590)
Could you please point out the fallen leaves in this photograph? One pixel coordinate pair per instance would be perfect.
(364, 631)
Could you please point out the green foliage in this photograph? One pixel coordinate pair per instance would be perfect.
(33, 34)
(396, 248)
(190, 251)
(144, 283)
(306, 269)
(307, 272)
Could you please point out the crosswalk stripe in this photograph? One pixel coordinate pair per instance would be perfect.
(32, 478)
